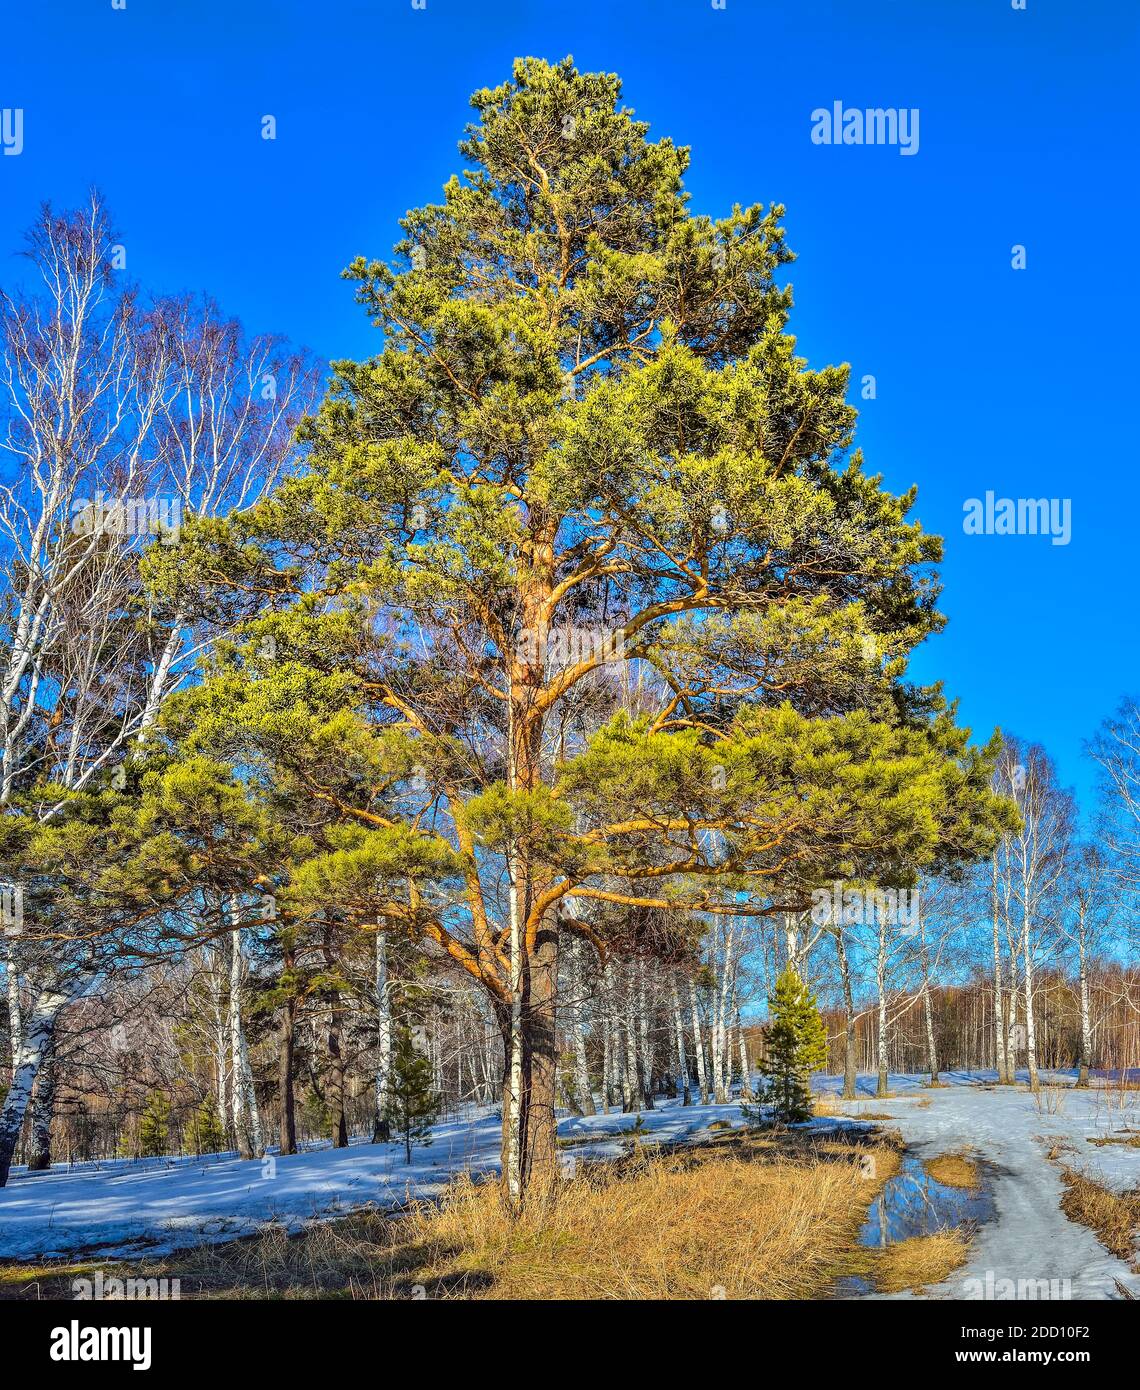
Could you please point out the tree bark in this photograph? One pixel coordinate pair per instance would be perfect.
(381, 1130)
(927, 1012)
(43, 1106)
(679, 1030)
(336, 1084)
(698, 1043)
(742, 1046)
(38, 1030)
(12, 971)
(1030, 1020)
(1001, 1033)
(246, 1120)
(1085, 1059)
(286, 1097)
(881, 1088)
(585, 1092)
(850, 1071)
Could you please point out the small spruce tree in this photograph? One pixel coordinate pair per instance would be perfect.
(413, 1105)
(205, 1134)
(154, 1126)
(796, 1046)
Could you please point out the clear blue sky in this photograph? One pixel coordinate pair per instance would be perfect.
(1023, 383)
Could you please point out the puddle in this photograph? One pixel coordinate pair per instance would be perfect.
(912, 1203)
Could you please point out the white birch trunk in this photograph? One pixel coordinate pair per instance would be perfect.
(514, 1097)
(15, 1013)
(247, 1121)
(1001, 1037)
(36, 1037)
(679, 1030)
(928, 1015)
(384, 1040)
(881, 987)
(1086, 1029)
(1030, 1023)
(645, 1051)
(578, 1029)
(742, 1047)
(698, 1044)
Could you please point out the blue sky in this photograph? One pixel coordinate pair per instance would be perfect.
(987, 379)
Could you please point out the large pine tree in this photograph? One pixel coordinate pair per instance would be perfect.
(585, 609)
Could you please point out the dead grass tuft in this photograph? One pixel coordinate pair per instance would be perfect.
(771, 1215)
(1114, 1216)
(920, 1261)
(954, 1170)
(754, 1220)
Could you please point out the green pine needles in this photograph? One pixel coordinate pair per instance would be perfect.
(796, 1046)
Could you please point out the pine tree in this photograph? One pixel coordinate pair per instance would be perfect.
(413, 1105)
(588, 431)
(205, 1134)
(154, 1127)
(796, 1046)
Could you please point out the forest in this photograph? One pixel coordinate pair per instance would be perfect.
(493, 723)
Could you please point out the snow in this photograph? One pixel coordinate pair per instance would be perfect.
(122, 1209)
(1031, 1238)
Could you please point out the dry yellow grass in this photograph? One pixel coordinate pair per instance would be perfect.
(734, 1224)
(747, 1216)
(919, 1261)
(1114, 1216)
(954, 1170)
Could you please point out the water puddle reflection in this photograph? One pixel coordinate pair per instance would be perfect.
(912, 1203)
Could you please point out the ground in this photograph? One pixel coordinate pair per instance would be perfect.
(1015, 1136)
(1022, 1144)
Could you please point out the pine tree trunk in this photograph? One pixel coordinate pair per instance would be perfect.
(216, 964)
(530, 1149)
